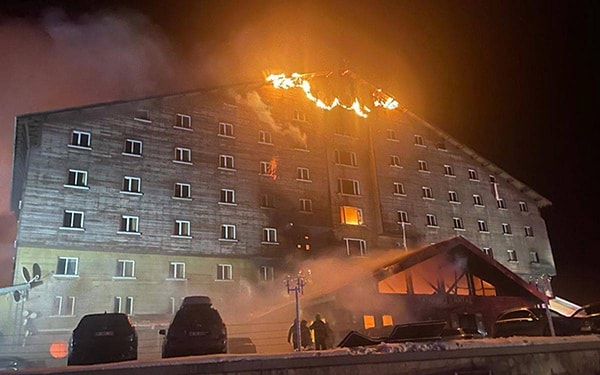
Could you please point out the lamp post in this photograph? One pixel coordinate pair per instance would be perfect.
(296, 284)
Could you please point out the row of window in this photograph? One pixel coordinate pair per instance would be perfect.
(512, 255)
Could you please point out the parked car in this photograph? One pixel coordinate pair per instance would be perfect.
(196, 329)
(532, 321)
(103, 338)
(589, 317)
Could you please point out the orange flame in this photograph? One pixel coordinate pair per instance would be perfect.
(273, 168)
(297, 80)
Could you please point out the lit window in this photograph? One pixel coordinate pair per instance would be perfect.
(403, 217)
(77, 178)
(125, 268)
(395, 161)
(482, 225)
(506, 228)
(399, 188)
(448, 170)
(133, 147)
(473, 176)
(345, 158)
(501, 204)
(512, 256)
(226, 162)
(224, 272)
(302, 174)
(67, 266)
(182, 228)
(129, 224)
(225, 129)
(269, 235)
(477, 201)
(419, 140)
(350, 187)
(267, 168)
(266, 273)
(176, 270)
(183, 191)
(305, 205)
(453, 197)
(523, 207)
(458, 223)
(267, 201)
(534, 257)
(351, 215)
(81, 139)
(183, 155)
(431, 220)
(132, 184)
(528, 232)
(355, 247)
(423, 167)
(228, 232)
(387, 320)
(227, 196)
(391, 135)
(427, 192)
(369, 321)
(183, 121)
(265, 137)
(72, 220)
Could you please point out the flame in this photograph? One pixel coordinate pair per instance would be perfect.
(273, 168)
(302, 81)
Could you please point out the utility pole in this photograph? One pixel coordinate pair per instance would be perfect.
(296, 284)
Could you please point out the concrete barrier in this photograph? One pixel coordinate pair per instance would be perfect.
(516, 356)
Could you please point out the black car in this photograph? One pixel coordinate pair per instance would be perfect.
(196, 329)
(103, 338)
(589, 318)
(532, 321)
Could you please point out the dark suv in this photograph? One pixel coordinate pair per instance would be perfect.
(196, 329)
(103, 338)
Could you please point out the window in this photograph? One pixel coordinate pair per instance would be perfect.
(267, 168)
(73, 219)
(129, 224)
(350, 187)
(501, 204)
(458, 223)
(265, 137)
(419, 140)
(345, 129)
(129, 305)
(395, 161)
(132, 184)
(225, 129)
(227, 196)
(183, 155)
(534, 257)
(267, 201)
(512, 256)
(391, 135)
(506, 228)
(403, 217)
(368, 321)
(299, 115)
(302, 174)
(67, 266)
(228, 232)
(125, 268)
(453, 197)
(427, 193)
(269, 235)
(482, 225)
(449, 170)
(441, 145)
(183, 121)
(355, 247)
(224, 272)
(473, 176)
(423, 167)
(528, 232)
(523, 207)
(351, 215)
(133, 147)
(477, 201)
(77, 178)
(226, 162)
(399, 188)
(182, 228)
(177, 270)
(183, 191)
(117, 304)
(305, 205)
(345, 158)
(488, 251)
(81, 139)
(431, 220)
(266, 273)
(63, 306)
(142, 115)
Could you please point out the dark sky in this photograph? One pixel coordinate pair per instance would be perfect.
(516, 81)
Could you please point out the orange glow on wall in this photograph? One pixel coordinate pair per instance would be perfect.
(59, 349)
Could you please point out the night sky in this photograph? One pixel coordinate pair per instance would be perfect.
(516, 81)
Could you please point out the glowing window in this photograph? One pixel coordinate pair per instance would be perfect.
(369, 321)
(387, 320)
(351, 215)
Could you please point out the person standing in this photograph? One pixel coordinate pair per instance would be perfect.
(292, 336)
(321, 331)
(306, 339)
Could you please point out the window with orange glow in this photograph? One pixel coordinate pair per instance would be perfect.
(483, 288)
(387, 320)
(351, 215)
(369, 321)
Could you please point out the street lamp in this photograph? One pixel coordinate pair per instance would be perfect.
(296, 284)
